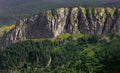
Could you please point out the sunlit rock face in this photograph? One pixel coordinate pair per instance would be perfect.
(52, 23)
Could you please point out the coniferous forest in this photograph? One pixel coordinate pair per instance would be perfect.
(59, 36)
(65, 54)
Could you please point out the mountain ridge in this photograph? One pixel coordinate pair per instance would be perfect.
(51, 23)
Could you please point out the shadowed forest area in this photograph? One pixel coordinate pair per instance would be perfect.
(65, 54)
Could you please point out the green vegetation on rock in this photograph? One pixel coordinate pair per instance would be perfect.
(5, 28)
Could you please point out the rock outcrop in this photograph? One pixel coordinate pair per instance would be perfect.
(52, 23)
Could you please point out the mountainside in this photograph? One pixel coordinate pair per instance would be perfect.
(59, 36)
(52, 23)
(67, 53)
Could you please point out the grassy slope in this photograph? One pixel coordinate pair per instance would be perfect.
(6, 28)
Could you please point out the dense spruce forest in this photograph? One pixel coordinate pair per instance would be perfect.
(67, 53)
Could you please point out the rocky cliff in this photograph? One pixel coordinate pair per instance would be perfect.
(52, 23)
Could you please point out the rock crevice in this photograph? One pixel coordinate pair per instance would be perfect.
(52, 23)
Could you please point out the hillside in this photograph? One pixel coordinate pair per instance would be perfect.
(23, 8)
(67, 53)
(51, 23)
(59, 36)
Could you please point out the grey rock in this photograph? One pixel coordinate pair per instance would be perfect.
(51, 23)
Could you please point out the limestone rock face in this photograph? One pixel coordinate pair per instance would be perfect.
(52, 23)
